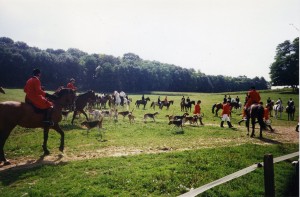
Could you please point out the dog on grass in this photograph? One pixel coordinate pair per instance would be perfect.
(92, 124)
(149, 115)
(131, 117)
(176, 123)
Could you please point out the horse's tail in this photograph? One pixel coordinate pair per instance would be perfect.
(213, 108)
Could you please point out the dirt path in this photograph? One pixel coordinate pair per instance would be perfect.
(281, 135)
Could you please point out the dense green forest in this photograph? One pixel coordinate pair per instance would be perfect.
(106, 73)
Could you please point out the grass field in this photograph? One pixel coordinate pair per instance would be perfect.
(149, 159)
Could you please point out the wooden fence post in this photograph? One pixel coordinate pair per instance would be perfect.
(269, 175)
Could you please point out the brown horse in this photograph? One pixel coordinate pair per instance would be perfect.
(82, 101)
(218, 106)
(14, 113)
(166, 103)
(2, 90)
(255, 111)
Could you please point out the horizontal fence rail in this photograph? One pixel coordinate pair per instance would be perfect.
(235, 175)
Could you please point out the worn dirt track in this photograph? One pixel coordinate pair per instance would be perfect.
(281, 135)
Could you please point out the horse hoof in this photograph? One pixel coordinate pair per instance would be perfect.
(6, 163)
(46, 152)
(61, 149)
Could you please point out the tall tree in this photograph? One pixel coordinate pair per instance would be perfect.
(285, 69)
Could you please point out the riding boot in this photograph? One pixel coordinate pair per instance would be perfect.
(47, 121)
(229, 124)
(272, 130)
(222, 124)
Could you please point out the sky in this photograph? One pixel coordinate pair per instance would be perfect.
(215, 37)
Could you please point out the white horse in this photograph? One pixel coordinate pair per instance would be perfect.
(278, 108)
(117, 97)
(126, 102)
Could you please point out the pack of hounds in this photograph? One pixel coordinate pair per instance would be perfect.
(96, 118)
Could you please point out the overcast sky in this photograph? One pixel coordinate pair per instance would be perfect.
(217, 37)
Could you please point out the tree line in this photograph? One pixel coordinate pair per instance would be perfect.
(106, 73)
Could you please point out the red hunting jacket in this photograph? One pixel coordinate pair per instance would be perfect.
(226, 109)
(197, 109)
(35, 94)
(253, 97)
(71, 86)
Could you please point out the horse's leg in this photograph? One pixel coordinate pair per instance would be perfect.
(247, 125)
(253, 126)
(74, 115)
(261, 125)
(62, 137)
(46, 132)
(86, 116)
(4, 133)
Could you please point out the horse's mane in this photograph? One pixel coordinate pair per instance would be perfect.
(88, 92)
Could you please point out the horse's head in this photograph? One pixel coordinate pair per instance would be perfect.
(91, 95)
(65, 96)
(147, 99)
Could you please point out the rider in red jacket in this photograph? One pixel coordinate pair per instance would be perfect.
(36, 96)
(253, 97)
(71, 84)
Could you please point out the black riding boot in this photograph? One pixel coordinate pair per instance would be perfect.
(222, 124)
(47, 121)
(229, 124)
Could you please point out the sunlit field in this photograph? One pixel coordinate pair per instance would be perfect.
(150, 158)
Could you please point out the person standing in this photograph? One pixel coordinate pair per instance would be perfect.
(197, 111)
(37, 97)
(226, 114)
(267, 117)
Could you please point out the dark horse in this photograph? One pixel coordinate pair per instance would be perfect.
(166, 103)
(290, 111)
(255, 111)
(185, 106)
(103, 101)
(142, 102)
(14, 113)
(81, 102)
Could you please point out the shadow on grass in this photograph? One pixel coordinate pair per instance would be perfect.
(9, 175)
(270, 141)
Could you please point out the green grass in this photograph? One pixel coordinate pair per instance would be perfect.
(182, 160)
